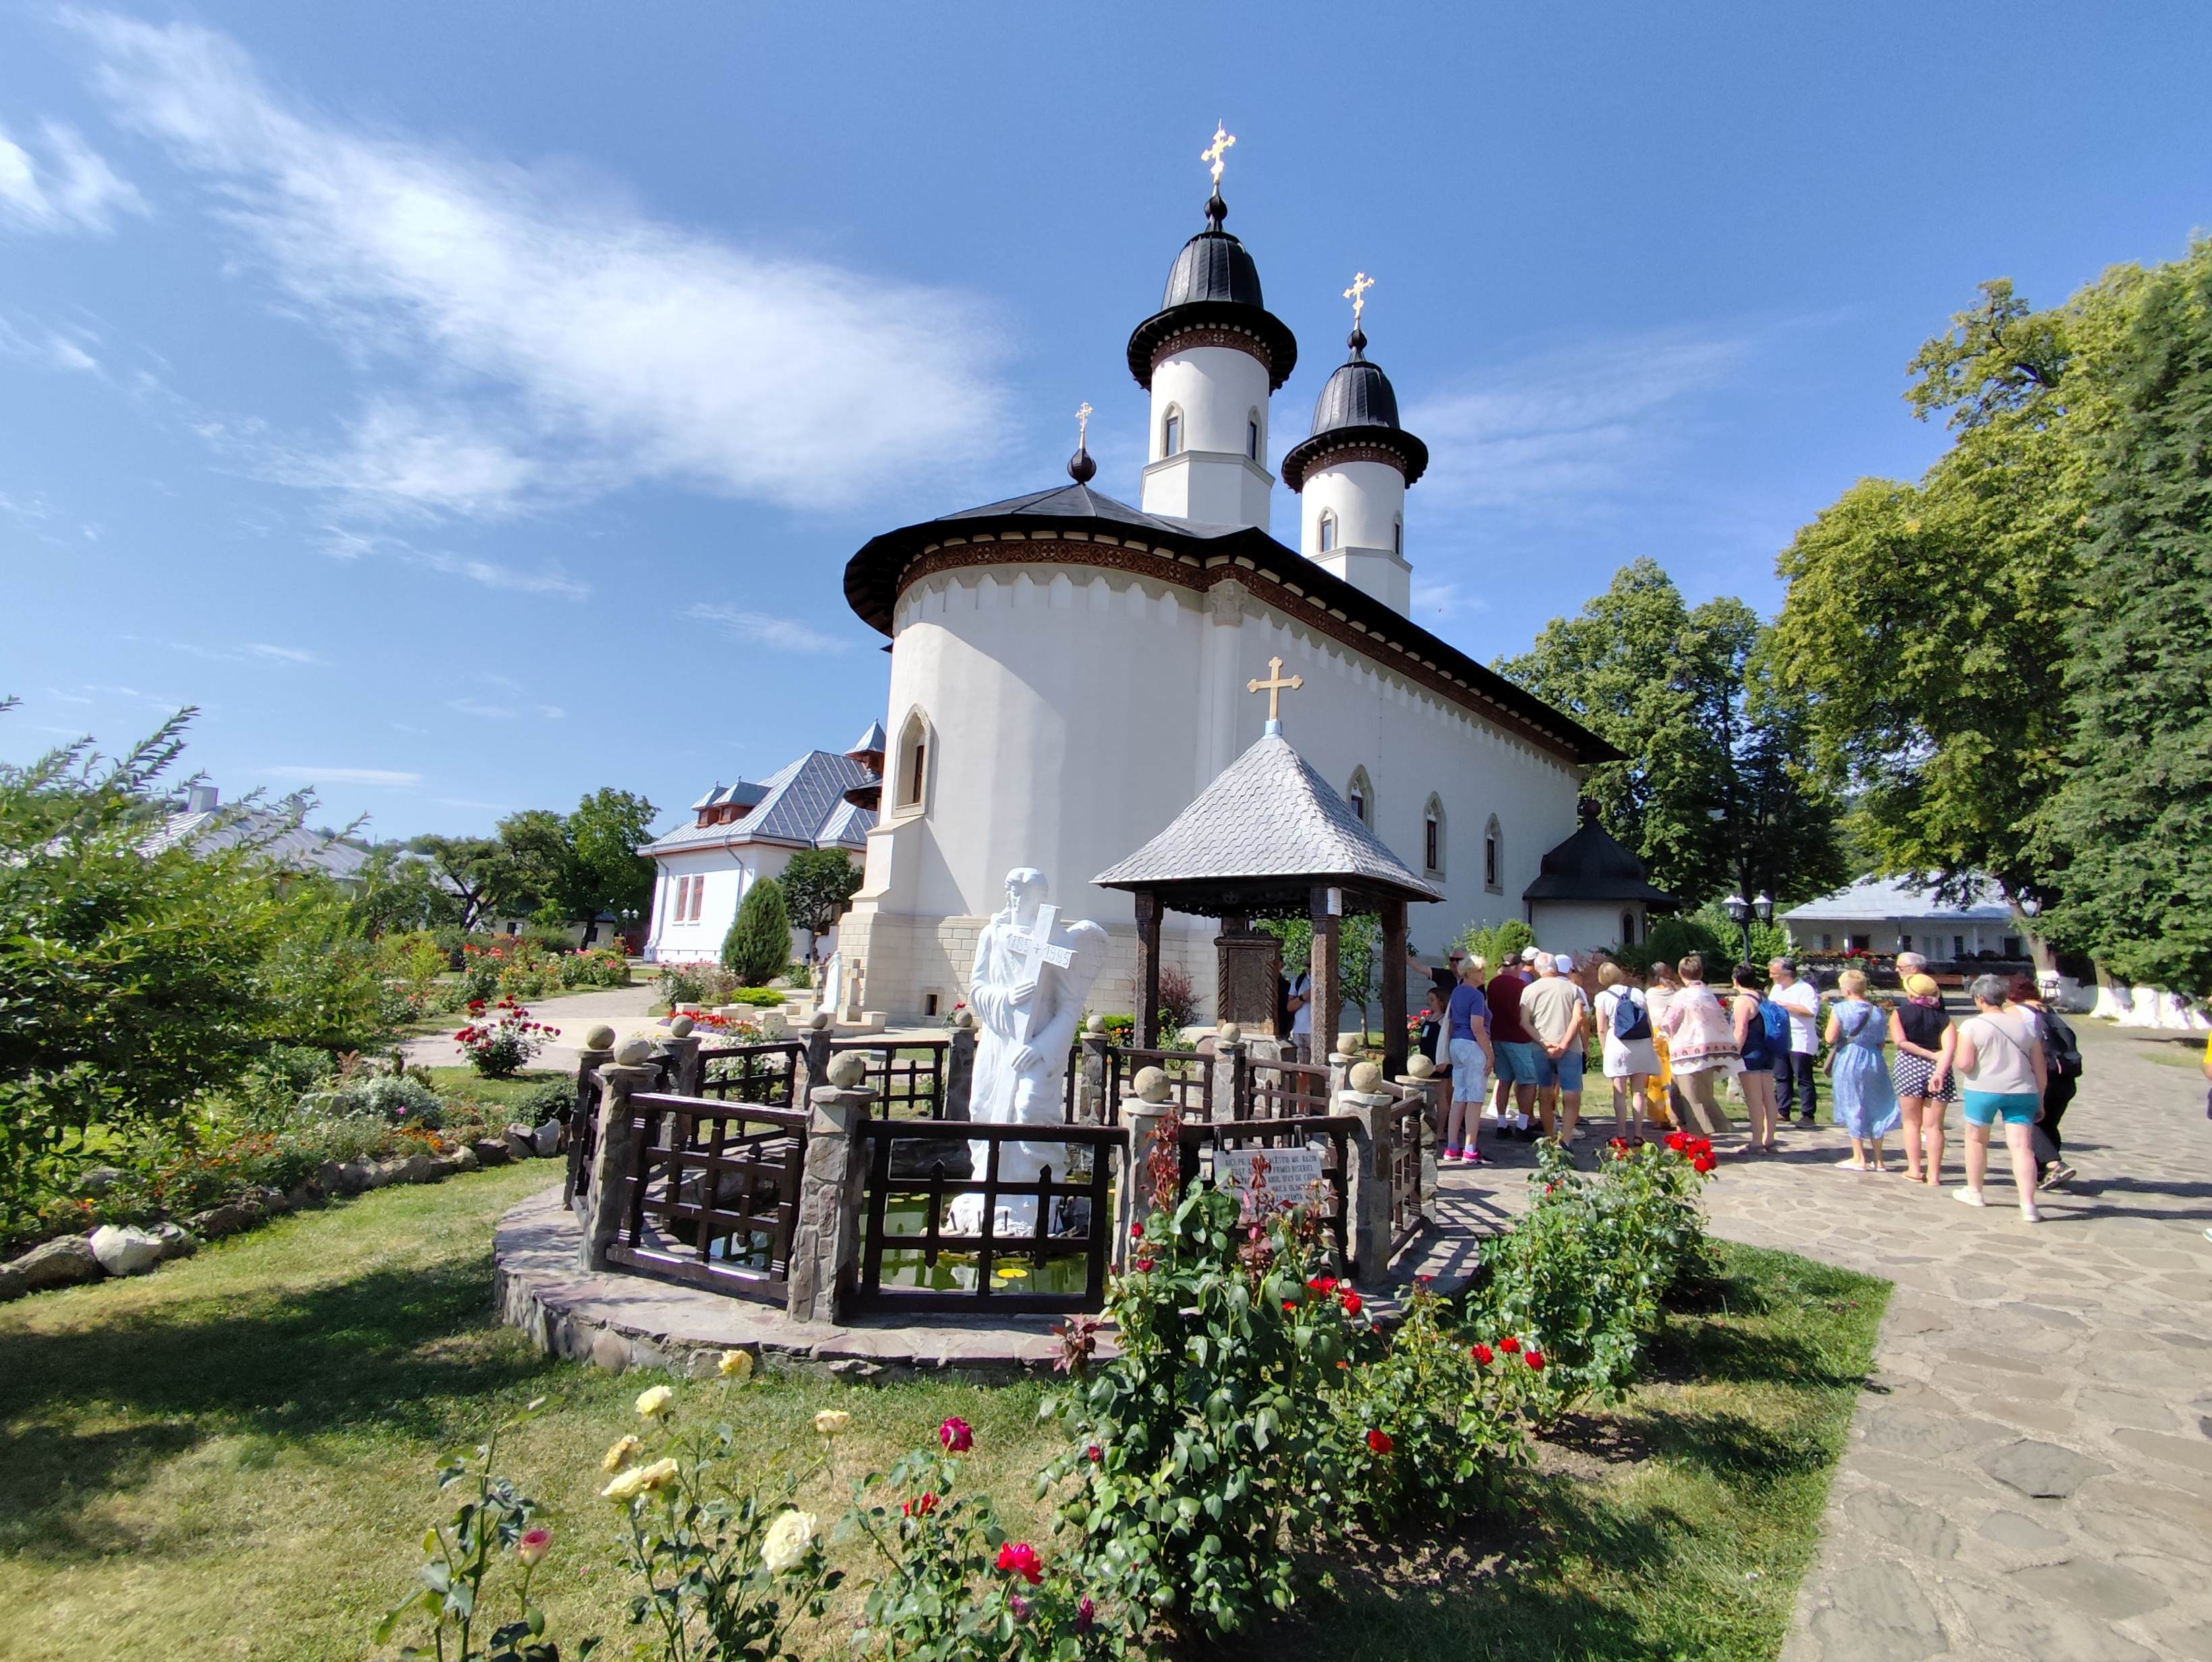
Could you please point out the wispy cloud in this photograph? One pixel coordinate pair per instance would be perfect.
(71, 189)
(343, 545)
(260, 650)
(1445, 600)
(760, 629)
(331, 775)
(1559, 434)
(483, 711)
(283, 655)
(599, 347)
(49, 348)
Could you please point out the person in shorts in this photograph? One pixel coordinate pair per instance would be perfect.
(1553, 1012)
(2003, 1076)
(1922, 1074)
(1466, 1026)
(1795, 1070)
(1513, 1049)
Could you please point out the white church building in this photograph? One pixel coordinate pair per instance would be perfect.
(743, 833)
(1068, 672)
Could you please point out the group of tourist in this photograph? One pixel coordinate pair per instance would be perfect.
(1514, 1044)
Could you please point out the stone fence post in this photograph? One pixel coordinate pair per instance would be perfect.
(960, 1065)
(1367, 1184)
(812, 1064)
(681, 1050)
(1145, 1120)
(1420, 1075)
(1090, 1084)
(825, 1242)
(1340, 1061)
(584, 1112)
(614, 1154)
(1228, 1065)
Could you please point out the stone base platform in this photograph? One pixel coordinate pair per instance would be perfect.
(621, 1321)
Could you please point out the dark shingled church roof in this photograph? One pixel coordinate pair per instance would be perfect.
(1358, 407)
(1260, 838)
(1214, 284)
(1592, 866)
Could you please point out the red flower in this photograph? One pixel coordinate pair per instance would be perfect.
(1086, 1614)
(1702, 1164)
(1678, 1141)
(921, 1507)
(1535, 1360)
(1323, 1285)
(1482, 1355)
(957, 1435)
(1137, 1231)
(1094, 1454)
(1378, 1442)
(1143, 1263)
(1508, 1344)
(1290, 1304)
(1020, 1558)
(1349, 1301)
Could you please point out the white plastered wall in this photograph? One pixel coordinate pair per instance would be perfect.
(729, 870)
(1217, 391)
(1368, 500)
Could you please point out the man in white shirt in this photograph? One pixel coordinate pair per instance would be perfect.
(1795, 1073)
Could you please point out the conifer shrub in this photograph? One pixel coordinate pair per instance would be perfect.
(758, 944)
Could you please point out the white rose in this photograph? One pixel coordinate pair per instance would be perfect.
(787, 1540)
(654, 1402)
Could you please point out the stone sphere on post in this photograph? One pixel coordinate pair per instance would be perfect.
(1095, 1024)
(963, 1019)
(1232, 1034)
(1347, 1045)
(635, 1052)
(817, 1021)
(681, 1028)
(1151, 1085)
(601, 1038)
(1420, 1067)
(1365, 1077)
(848, 1071)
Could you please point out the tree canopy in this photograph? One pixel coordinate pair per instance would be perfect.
(819, 886)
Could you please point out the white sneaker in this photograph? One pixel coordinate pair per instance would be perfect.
(1968, 1197)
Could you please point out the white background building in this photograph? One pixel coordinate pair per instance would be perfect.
(1886, 915)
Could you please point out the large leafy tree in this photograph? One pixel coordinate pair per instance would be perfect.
(1715, 790)
(398, 890)
(2125, 842)
(819, 886)
(606, 873)
(1927, 624)
(476, 871)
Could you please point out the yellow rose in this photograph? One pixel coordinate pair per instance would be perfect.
(656, 1402)
(787, 1540)
(618, 1455)
(832, 1422)
(736, 1364)
(639, 1480)
(660, 1474)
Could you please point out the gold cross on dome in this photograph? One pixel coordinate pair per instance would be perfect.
(1361, 283)
(1274, 686)
(1082, 424)
(1223, 139)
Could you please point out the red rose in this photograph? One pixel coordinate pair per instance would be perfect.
(1290, 1304)
(1678, 1141)
(1378, 1442)
(1349, 1301)
(1702, 1164)
(1323, 1285)
(1508, 1344)
(1020, 1558)
(920, 1506)
(1143, 1263)
(1535, 1360)
(957, 1435)
(1482, 1355)
(1095, 1453)
(1086, 1614)
(1137, 1231)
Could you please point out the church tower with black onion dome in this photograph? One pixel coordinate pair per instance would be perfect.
(1211, 357)
(1350, 475)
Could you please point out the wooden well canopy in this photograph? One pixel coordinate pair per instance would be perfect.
(1270, 837)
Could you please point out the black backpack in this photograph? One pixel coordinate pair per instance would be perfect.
(2061, 1049)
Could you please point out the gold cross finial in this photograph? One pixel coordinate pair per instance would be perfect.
(1082, 424)
(1223, 139)
(1361, 283)
(1274, 686)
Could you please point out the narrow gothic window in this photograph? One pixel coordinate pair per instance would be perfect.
(913, 763)
(1432, 836)
(1398, 538)
(1360, 795)
(1328, 533)
(1492, 858)
(698, 894)
(1171, 434)
(1252, 438)
(1628, 928)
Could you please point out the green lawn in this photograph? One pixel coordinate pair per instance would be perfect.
(459, 1084)
(233, 1457)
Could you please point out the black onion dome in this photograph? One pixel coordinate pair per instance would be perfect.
(1358, 409)
(1214, 283)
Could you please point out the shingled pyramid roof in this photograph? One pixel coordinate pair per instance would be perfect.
(1261, 837)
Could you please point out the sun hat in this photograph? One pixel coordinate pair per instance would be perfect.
(1566, 963)
(1921, 986)
(1528, 954)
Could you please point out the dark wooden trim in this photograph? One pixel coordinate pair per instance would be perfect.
(1148, 970)
(1326, 998)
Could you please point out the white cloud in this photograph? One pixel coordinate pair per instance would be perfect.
(246, 654)
(342, 544)
(1555, 434)
(490, 712)
(569, 347)
(319, 776)
(73, 190)
(760, 629)
(283, 655)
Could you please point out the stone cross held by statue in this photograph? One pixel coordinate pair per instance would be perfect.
(1274, 686)
(1035, 950)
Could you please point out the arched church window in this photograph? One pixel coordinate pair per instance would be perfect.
(1628, 928)
(1172, 433)
(1360, 794)
(1432, 836)
(1398, 538)
(1494, 857)
(1252, 436)
(1328, 531)
(912, 787)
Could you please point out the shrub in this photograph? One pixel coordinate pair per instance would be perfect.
(1499, 944)
(498, 1040)
(394, 1098)
(1178, 1004)
(1200, 1448)
(696, 983)
(593, 966)
(548, 1099)
(758, 944)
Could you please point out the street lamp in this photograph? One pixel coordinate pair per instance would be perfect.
(1738, 912)
(2029, 906)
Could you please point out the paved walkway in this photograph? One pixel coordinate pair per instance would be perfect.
(2030, 1470)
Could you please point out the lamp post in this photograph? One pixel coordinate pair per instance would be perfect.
(1738, 912)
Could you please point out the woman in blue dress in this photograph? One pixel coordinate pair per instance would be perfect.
(1863, 1101)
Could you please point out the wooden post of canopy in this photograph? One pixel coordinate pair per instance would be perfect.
(1394, 989)
(1148, 970)
(1322, 977)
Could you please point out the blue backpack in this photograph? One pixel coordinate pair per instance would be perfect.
(1631, 1018)
(1776, 1020)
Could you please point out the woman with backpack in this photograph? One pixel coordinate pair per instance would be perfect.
(1865, 1101)
(1624, 1023)
(2062, 1061)
(1922, 1076)
(1761, 1027)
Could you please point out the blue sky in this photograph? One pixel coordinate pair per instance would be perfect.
(470, 406)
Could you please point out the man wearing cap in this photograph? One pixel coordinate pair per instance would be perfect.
(1511, 1046)
(1554, 1010)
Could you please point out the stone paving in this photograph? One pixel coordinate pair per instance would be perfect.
(2029, 1472)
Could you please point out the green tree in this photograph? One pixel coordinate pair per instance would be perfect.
(1716, 790)
(758, 945)
(1358, 955)
(606, 873)
(536, 867)
(819, 886)
(475, 870)
(2125, 842)
(399, 892)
